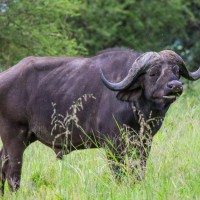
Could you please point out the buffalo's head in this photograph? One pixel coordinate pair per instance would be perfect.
(155, 76)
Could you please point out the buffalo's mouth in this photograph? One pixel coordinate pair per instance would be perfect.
(170, 98)
(167, 99)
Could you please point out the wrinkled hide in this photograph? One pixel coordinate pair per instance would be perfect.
(116, 87)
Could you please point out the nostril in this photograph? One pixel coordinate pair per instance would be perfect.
(170, 85)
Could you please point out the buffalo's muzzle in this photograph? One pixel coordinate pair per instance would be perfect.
(176, 87)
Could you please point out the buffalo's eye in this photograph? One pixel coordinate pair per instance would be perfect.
(154, 73)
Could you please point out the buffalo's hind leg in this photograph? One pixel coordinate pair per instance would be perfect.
(13, 170)
(14, 144)
(3, 166)
(11, 166)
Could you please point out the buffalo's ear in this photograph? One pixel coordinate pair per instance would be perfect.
(129, 95)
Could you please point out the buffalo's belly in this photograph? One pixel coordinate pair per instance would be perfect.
(59, 137)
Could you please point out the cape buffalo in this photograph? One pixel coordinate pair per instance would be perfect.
(39, 95)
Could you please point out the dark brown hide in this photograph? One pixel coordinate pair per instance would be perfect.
(37, 87)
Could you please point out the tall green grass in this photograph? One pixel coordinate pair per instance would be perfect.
(173, 168)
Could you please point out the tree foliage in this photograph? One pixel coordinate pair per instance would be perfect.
(72, 27)
(190, 43)
(36, 27)
(142, 25)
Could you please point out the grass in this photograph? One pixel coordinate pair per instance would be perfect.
(173, 170)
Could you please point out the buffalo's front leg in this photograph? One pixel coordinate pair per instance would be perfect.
(116, 163)
(127, 165)
(130, 161)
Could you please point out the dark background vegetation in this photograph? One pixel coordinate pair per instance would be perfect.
(83, 27)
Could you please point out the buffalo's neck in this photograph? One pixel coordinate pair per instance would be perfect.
(147, 116)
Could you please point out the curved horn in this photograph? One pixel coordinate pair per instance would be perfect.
(193, 76)
(182, 67)
(138, 67)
